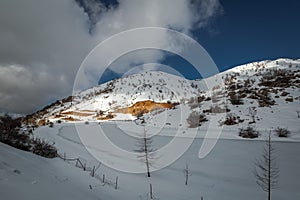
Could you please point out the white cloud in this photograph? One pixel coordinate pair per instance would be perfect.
(42, 42)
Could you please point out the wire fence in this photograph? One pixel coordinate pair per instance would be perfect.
(81, 163)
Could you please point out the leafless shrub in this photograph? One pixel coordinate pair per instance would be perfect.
(193, 102)
(289, 99)
(216, 109)
(195, 119)
(236, 99)
(44, 149)
(248, 132)
(231, 119)
(282, 132)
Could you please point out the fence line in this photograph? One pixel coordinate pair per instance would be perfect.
(82, 165)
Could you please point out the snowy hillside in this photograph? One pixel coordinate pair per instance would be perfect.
(98, 102)
(27, 176)
(263, 94)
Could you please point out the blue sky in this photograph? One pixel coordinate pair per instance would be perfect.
(253, 30)
(247, 31)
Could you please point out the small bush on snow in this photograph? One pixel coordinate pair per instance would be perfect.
(248, 132)
(231, 119)
(195, 119)
(282, 132)
(193, 102)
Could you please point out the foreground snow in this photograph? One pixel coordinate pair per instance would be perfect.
(226, 173)
(24, 175)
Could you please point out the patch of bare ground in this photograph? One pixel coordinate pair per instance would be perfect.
(142, 107)
(77, 113)
(71, 119)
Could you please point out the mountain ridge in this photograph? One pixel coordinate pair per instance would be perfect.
(258, 84)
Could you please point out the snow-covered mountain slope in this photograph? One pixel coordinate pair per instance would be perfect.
(99, 101)
(265, 93)
(24, 175)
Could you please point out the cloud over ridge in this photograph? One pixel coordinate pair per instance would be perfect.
(43, 42)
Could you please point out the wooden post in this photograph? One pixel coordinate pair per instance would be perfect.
(187, 173)
(64, 156)
(116, 187)
(186, 179)
(93, 172)
(151, 193)
(103, 178)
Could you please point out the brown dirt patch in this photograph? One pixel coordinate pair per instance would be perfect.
(77, 113)
(142, 107)
(72, 119)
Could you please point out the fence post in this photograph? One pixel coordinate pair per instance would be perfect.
(116, 187)
(93, 171)
(103, 178)
(151, 193)
(64, 156)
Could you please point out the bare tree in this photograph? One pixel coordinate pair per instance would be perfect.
(187, 173)
(150, 195)
(266, 171)
(145, 150)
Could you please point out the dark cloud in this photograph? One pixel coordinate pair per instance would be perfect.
(43, 42)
